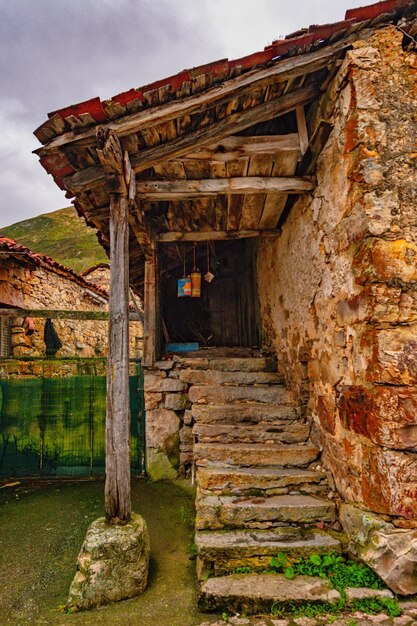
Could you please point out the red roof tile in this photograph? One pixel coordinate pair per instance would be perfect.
(373, 10)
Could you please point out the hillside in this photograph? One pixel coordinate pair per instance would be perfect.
(62, 235)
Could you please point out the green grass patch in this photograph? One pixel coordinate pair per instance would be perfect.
(342, 573)
(62, 235)
(340, 570)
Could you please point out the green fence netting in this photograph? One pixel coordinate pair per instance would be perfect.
(53, 423)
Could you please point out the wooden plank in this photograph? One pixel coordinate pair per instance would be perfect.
(110, 154)
(62, 314)
(218, 169)
(171, 170)
(237, 122)
(253, 204)
(285, 165)
(117, 502)
(141, 230)
(235, 168)
(316, 145)
(235, 147)
(213, 235)
(281, 72)
(302, 128)
(185, 189)
(150, 312)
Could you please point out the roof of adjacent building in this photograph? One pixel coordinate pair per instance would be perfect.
(27, 257)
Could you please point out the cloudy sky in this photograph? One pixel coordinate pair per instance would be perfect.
(54, 53)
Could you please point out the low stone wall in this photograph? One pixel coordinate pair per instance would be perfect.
(169, 439)
(338, 288)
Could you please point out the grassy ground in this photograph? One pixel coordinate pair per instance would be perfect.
(42, 528)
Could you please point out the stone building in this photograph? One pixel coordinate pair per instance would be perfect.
(289, 175)
(34, 281)
(99, 275)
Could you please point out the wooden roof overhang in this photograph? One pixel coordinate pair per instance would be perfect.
(216, 151)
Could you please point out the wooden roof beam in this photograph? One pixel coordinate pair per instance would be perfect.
(214, 235)
(185, 189)
(180, 146)
(286, 69)
(237, 146)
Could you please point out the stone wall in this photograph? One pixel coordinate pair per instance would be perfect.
(169, 439)
(338, 289)
(29, 286)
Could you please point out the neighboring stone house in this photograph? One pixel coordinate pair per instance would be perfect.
(34, 281)
(290, 175)
(98, 275)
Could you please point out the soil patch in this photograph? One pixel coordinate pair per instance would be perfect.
(43, 525)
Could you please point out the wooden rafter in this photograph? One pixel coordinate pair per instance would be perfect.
(142, 231)
(183, 189)
(214, 235)
(236, 147)
(93, 176)
(302, 129)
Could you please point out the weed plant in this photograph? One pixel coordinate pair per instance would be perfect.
(342, 573)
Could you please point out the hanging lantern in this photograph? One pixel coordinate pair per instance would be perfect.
(184, 284)
(195, 278)
(184, 287)
(208, 276)
(196, 283)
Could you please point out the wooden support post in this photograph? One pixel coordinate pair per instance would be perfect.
(117, 489)
(117, 502)
(302, 129)
(151, 308)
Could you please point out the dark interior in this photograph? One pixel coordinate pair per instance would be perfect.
(226, 314)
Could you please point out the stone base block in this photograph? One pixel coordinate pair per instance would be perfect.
(159, 466)
(112, 564)
(390, 551)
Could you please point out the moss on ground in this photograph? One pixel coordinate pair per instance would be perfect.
(42, 528)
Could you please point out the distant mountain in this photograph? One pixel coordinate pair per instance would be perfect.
(62, 235)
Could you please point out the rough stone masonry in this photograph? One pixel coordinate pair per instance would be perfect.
(339, 294)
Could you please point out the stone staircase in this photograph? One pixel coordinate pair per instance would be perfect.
(256, 492)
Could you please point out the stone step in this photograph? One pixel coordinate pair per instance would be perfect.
(296, 432)
(229, 364)
(255, 455)
(257, 593)
(219, 377)
(206, 394)
(262, 481)
(217, 512)
(251, 413)
(222, 552)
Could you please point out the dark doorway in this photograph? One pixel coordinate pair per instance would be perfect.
(226, 314)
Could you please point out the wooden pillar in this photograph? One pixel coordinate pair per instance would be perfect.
(117, 489)
(117, 500)
(151, 310)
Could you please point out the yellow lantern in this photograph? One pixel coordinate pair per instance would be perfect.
(195, 278)
(195, 283)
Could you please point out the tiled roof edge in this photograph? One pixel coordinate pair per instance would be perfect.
(42, 260)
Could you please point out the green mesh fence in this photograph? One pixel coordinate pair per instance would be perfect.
(52, 417)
